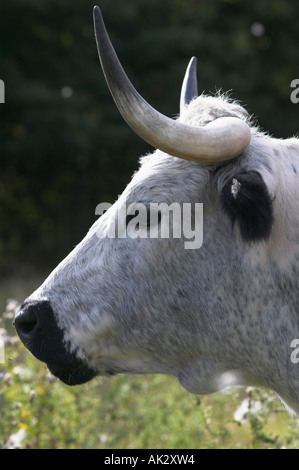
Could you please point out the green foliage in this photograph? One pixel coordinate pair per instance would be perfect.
(63, 146)
(129, 412)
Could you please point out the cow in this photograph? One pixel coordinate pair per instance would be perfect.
(223, 314)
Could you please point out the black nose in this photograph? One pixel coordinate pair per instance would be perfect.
(25, 323)
(37, 328)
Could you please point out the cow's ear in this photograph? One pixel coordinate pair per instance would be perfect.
(245, 199)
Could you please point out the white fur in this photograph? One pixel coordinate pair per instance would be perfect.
(222, 315)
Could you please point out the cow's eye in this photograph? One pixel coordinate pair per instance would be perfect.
(130, 217)
(150, 218)
(146, 222)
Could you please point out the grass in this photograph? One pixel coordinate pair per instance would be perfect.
(129, 412)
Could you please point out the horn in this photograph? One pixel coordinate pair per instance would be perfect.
(218, 141)
(189, 89)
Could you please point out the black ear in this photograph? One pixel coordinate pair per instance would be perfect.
(245, 199)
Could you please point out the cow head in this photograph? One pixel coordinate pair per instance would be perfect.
(219, 313)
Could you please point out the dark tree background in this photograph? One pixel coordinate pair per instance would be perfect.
(63, 146)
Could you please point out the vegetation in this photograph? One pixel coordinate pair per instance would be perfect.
(64, 148)
(129, 412)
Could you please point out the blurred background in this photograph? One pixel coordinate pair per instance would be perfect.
(64, 147)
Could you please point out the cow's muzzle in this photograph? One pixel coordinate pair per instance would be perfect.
(38, 330)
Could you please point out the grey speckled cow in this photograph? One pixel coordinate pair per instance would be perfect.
(222, 315)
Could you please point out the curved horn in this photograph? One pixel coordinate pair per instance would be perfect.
(220, 140)
(189, 89)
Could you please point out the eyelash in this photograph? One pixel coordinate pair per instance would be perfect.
(132, 216)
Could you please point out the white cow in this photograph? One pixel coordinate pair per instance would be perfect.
(223, 314)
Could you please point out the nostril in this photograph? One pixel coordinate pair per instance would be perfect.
(25, 322)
